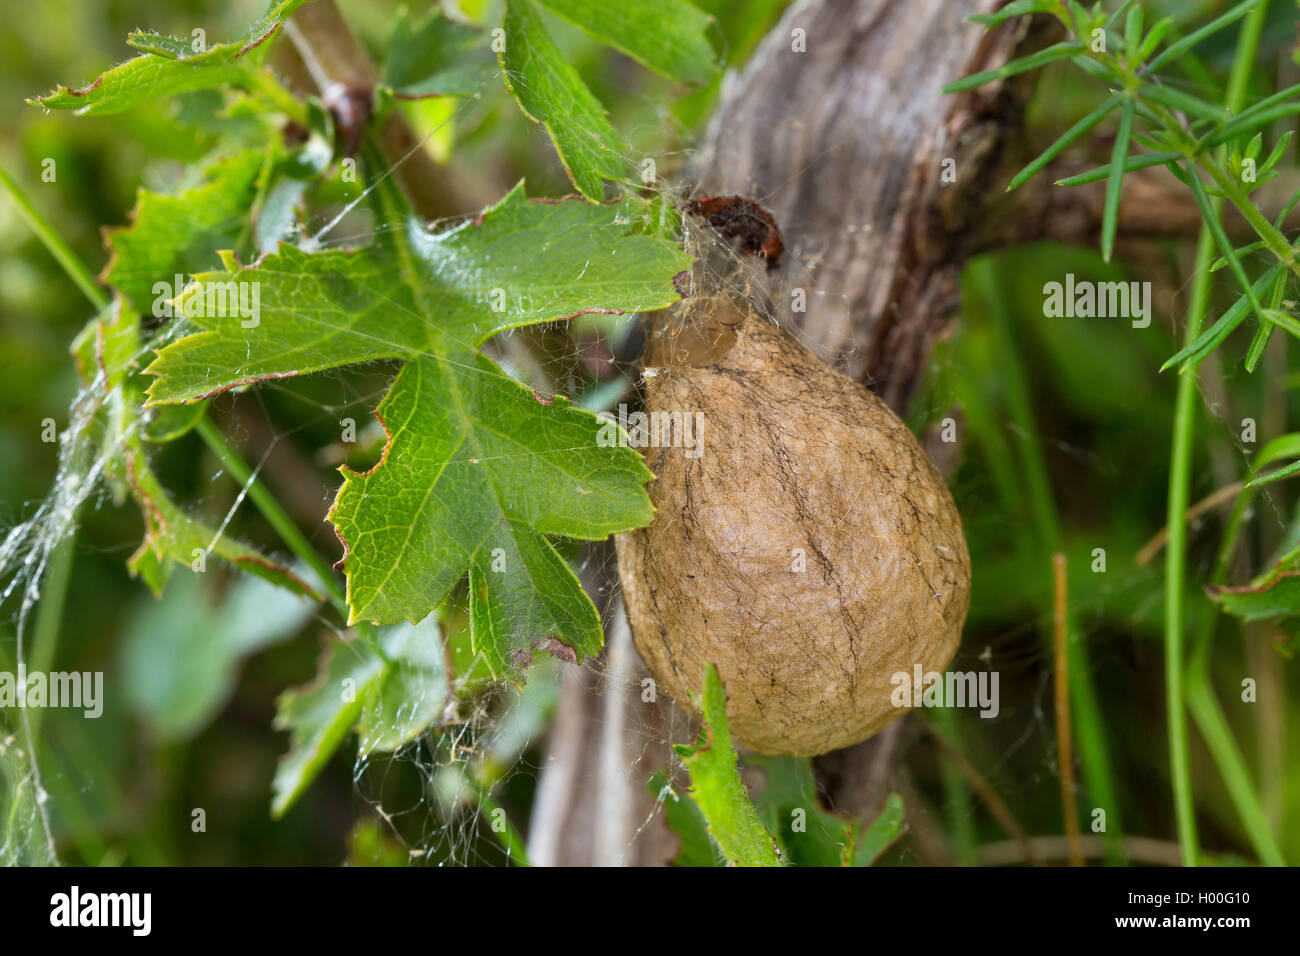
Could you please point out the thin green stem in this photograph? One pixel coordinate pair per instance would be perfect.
(66, 258)
(1267, 232)
(1214, 727)
(272, 511)
(1180, 473)
(1176, 558)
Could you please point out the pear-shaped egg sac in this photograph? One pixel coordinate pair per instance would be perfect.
(803, 542)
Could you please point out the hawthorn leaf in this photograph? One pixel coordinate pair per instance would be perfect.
(171, 235)
(167, 66)
(321, 715)
(188, 49)
(668, 36)
(1273, 594)
(172, 537)
(550, 91)
(881, 833)
(717, 788)
(136, 82)
(788, 806)
(437, 57)
(696, 847)
(108, 348)
(413, 692)
(477, 470)
(389, 699)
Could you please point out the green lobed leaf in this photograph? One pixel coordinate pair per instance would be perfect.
(412, 694)
(437, 56)
(389, 698)
(184, 48)
(477, 470)
(717, 788)
(174, 234)
(668, 36)
(789, 807)
(550, 92)
(168, 65)
(321, 715)
(685, 819)
(881, 833)
(108, 347)
(806, 834)
(1275, 594)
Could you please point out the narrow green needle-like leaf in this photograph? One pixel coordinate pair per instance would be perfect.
(1115, 184)
(1221, 239)
(1205, 343)
(1074, 132)
(1141, 161)
(1016, 8)
(1059, 51)
(1272, 476)
(1175, 50)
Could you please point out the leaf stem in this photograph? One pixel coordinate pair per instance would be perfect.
(272, 511)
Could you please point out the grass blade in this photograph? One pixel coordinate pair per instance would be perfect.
(1141, 161)
(1115, 184)
(1265, 330)
(1058, 51)
(1211, 218)
(1207, 341)
(1175, 50)
(1066, 138)
(1272, 476)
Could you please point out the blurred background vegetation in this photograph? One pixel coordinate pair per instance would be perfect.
(1066, 445)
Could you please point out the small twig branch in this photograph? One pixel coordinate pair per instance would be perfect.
(1137, 849)
(1065, 750)
(329, 55)
(984, 790)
